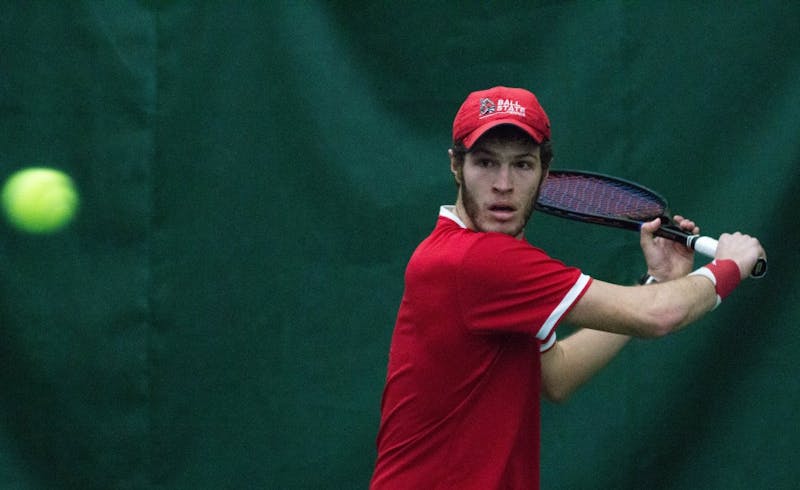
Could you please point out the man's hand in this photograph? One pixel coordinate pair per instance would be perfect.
(667, 259)
(742, 249)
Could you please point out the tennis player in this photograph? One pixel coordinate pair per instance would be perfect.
(475, 345)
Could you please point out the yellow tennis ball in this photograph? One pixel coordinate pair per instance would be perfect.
(39, 199)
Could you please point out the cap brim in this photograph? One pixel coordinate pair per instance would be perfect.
(471, 138)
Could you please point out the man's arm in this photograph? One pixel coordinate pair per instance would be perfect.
(614, 313)
(610, 315)
(646, 312)
(663, 308)
(573, 361)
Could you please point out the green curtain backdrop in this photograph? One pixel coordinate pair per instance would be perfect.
(255, 175)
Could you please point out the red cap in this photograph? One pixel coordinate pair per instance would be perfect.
(486, 109)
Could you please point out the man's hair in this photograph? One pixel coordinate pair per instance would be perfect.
(508, 132)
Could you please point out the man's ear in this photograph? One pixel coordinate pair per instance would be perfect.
(454, 166)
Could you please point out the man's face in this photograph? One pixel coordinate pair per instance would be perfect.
(499, 184)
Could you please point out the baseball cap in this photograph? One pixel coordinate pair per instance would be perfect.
(486, 109)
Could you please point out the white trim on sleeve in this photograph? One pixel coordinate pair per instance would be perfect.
(547, 345)
(572, 295)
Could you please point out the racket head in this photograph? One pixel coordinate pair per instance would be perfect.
(602, 199)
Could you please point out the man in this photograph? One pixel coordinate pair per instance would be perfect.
(474, 345)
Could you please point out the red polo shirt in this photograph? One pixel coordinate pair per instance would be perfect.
(460, 407)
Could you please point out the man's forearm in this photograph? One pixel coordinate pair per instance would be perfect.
(574, 360)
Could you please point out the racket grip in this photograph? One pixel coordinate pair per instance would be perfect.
(703, 244)
(708, 247)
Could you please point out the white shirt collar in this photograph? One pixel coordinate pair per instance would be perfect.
(449, 212)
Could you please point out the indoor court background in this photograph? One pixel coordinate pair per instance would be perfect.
(255, 175)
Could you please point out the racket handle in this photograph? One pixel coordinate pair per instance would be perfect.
(708, 247)
(702, 244)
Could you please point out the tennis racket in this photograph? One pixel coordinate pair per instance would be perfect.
(604, 200)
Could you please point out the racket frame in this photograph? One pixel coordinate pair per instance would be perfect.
(705, 245)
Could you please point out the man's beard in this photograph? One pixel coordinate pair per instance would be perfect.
(472, 208)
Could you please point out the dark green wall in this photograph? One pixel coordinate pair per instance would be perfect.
(255, 176)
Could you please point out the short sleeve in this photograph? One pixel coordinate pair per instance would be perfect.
(506, 285)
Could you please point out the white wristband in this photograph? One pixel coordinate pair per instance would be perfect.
(705, 272)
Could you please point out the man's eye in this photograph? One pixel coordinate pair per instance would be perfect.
(485, 163)
(525, 165)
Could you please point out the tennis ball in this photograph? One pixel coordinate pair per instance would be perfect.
(39, 200)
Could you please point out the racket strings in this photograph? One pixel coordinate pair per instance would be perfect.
(591, 195)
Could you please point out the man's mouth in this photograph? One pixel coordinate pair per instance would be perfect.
(502, 212)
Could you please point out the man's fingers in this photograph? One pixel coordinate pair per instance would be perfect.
(651, 226)
(687, 224)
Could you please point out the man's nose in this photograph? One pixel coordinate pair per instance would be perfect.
(503, 181)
